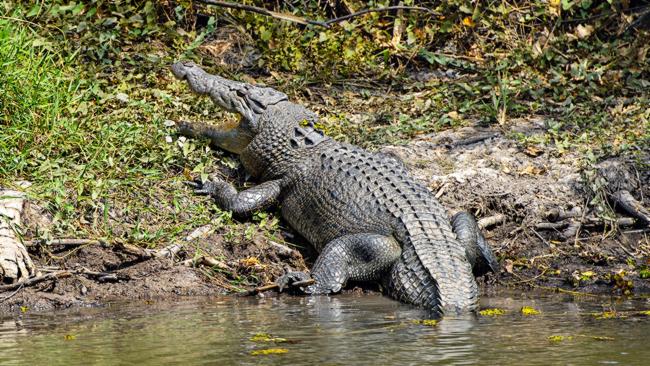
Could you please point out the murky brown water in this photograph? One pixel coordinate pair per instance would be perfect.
(340, 330)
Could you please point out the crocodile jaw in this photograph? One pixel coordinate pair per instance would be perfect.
(250, 101)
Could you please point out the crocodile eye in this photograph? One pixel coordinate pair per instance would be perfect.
(298, 132)
(293, 143)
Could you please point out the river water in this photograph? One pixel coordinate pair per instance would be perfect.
(348, 329)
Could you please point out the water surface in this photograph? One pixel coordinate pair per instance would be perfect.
(340, 330)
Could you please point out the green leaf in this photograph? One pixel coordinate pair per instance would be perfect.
(77, 9)
(265, 34)
(34, 10)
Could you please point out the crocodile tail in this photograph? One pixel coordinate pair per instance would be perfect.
(433, 271)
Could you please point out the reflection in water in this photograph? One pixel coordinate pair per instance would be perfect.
(339, 330)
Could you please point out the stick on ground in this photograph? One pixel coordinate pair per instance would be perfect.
(275, 286)
(35, 280)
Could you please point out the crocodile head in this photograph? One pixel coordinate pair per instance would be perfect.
(249, 101)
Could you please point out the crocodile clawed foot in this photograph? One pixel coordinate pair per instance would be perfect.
(204, 188)
(289, 278)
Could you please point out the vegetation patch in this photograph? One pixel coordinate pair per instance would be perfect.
(529, 310)
(269, 351)
(492, 312)
(426, 322)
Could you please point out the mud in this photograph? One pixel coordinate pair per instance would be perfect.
(131, 277)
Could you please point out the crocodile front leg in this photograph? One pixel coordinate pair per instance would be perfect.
(243, 203)
(357, 257)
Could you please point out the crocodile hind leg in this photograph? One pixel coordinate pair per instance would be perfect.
(243, 203)
(477, 249)
(357, 257)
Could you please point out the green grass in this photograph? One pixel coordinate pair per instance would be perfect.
(99, 162)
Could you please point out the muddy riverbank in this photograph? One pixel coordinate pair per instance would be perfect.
(539, 211)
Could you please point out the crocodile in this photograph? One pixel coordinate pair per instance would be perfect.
(362, 211)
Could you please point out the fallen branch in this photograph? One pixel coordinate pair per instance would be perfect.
(490, 221)
(104, 276)
(12, 294)
(621, 221)
(559, 214)
(305, 21)
(206, 261)
(64, 242)
(166, 252)
(137, 251)
(551, 225)
(169, 251)
(199, 232)
(275, 286)
(570, 227)
(144, 253)
(35, 280)
(629, 204)
(283, 249)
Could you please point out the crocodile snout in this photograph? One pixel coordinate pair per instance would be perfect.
(182, 68)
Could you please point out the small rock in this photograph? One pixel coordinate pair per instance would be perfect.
(122, 97)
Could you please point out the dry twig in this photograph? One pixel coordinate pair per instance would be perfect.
(629, 204)
(206, 261)
(490, 221)
(35, 280)
(275, 286)
(65, 242)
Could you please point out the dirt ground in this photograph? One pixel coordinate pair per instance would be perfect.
(549, 219)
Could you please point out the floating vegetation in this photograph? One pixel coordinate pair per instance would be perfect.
(427, 322)
(619, 314)
(270, 351)
(559, 338)
(266, 337)
(528, 310)
(608, 315)
(492, 312)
